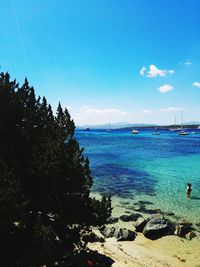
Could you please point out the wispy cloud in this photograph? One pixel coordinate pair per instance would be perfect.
(165, 88)
(154, 72)
(196, 84)
(92, 115)
(142, 71)
(110, 111)
(171, 109)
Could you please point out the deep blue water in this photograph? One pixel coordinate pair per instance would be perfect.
(146, 166)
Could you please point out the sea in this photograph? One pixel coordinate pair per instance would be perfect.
(146, 168)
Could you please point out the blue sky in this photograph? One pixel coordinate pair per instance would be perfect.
(108, 61)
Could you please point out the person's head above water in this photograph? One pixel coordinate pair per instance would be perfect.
(188, 184)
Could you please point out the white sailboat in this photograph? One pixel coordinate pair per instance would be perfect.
(109, 128)
(135, 131)
(175, 128)
(182, 132)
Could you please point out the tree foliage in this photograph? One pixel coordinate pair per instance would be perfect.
(45, 181)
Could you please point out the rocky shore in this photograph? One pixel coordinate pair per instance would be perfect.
(146, 236)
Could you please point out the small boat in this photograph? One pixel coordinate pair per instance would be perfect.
(183, 133)
(135, 132)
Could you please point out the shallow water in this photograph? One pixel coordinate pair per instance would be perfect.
(148, 167)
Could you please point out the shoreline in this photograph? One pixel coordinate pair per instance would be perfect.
(167, 251)
(171, 251)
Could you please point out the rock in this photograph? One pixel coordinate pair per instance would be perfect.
(158, 227)
(92, 237)
(145, 202)
(169, 213)
(112, 220)
(183, 228)
(143, 209)
(124, 203)
(186, 223)
(131, 217)
(140, 224)
(190, 235)
(108, 232)
(121, 234)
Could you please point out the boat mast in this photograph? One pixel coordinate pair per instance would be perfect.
(181, 121)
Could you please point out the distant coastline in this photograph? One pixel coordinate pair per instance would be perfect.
(141, 126)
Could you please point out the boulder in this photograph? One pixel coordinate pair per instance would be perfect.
(131, 217)
(183, 228)
(158, 227)
(143, 209)
(92, 237)
(145, 202)
(190, 235)
(169, 213)
(140, 224)
(112, 220)
(108, 231)
(121, 234)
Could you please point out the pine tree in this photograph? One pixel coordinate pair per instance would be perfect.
(45, 181)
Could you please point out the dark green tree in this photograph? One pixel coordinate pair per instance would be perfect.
(45, 182)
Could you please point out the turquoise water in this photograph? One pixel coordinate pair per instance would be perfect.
(146, 167)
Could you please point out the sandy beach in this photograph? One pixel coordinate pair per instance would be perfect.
(171, 251)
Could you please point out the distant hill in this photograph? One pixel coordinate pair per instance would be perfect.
(129, 126)
(117, 125)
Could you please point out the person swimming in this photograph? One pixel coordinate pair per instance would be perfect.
(188, 189)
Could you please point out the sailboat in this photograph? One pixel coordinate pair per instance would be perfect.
(175, 128)
(109, 129)
(135, 131)
(182, 132)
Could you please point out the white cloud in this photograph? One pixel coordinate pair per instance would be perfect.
(171, 109)
(165, 88)
(154, 72)
(92, 115)
(142, 70)
(196, 84)
(108, 111)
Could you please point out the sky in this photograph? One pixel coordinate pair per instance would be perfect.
(107, 61)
